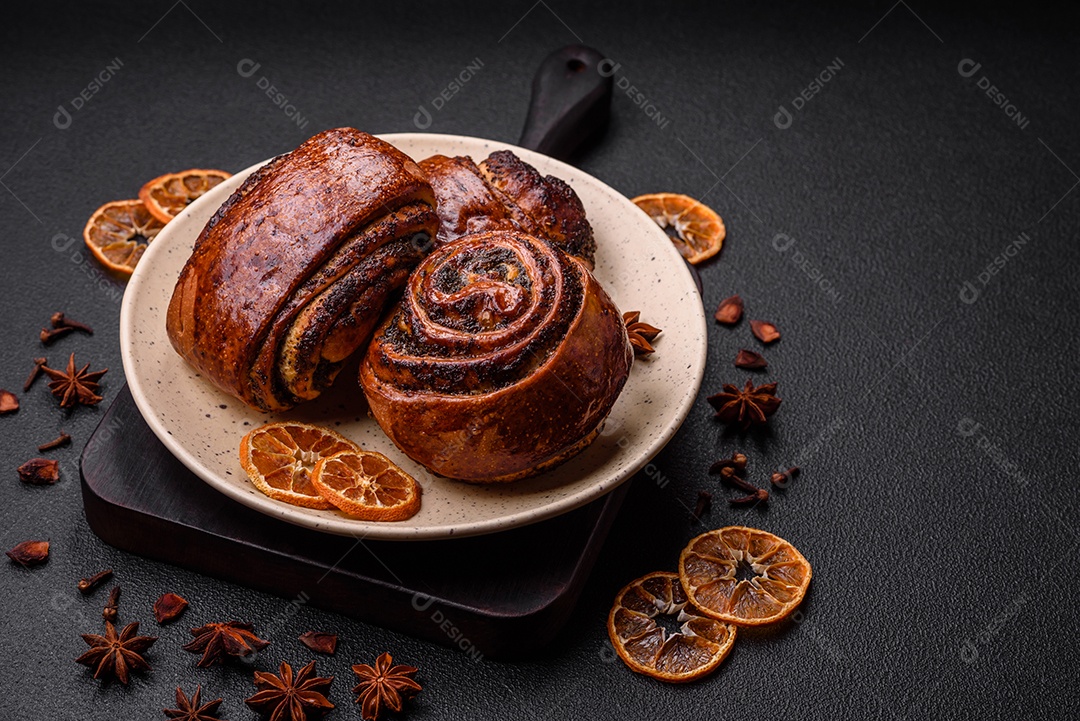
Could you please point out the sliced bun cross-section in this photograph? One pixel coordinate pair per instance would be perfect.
(290, 277)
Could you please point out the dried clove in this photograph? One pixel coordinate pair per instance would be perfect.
(780, 479)
(39, 363)
(58, 320)
(40, 472)
(730, 310)
(703, 505)
(112, 606)
(169, 607)
(750, 360)
(61, 440)
(87, 585)
(737, 461)
(48, 336)
(9, 402)
(30, 553)
(759, 495)
(729, 477)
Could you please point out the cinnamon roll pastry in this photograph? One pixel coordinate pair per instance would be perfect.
(502, 359)
(504, 192)
(290, 277)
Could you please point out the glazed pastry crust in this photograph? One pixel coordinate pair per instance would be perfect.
(504, 192)
(292, 273)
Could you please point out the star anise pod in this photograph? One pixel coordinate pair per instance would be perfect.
(749, 406)
(287, 698)
(115, 656)
(641, 334)
(217, 640)
(189, 709)
(74, 387)
(384, 686)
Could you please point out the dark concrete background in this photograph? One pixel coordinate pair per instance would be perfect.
(939, 500)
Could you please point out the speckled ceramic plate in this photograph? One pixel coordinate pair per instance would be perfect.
(636, 263)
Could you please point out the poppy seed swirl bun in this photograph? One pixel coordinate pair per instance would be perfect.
(503, 359)
(504, 192)
(292, 274)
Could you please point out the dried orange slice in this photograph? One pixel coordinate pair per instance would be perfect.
(279, 459)
(743, 575)
(696, 649)
(118, 233)
(695, 228)
(367, 485)
(166, 195)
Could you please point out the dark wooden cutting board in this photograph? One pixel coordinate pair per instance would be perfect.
(499, 594)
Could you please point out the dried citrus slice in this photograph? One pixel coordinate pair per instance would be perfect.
(695, 228)
(695, 650)
(367, 485)
(118, 233)
(743, 575)
(279, 459)
(166, 195)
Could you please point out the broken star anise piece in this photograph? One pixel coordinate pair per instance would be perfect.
(169, 607)
(764, 331)
(39, 472)
(74, 387)
(115, 656)
(217, 640)
(746, 407)
(730, 310)
(30, 553)
(189, 709)
(641, 334)
(384, 686)
(9, 402)
(287, 698)
(750, 360)
(320, 642)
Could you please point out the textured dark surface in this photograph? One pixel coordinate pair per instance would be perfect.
(938, 502)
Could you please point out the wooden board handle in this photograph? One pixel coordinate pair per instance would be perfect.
(571, 101)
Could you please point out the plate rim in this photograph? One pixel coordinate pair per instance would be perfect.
(386, 532)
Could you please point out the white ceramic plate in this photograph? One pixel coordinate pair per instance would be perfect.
(635, 262)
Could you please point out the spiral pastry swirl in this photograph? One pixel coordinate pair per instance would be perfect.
(503, 358)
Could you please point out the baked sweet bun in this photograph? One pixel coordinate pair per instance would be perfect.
(504, 192)
(291, 276)
(502, 359)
